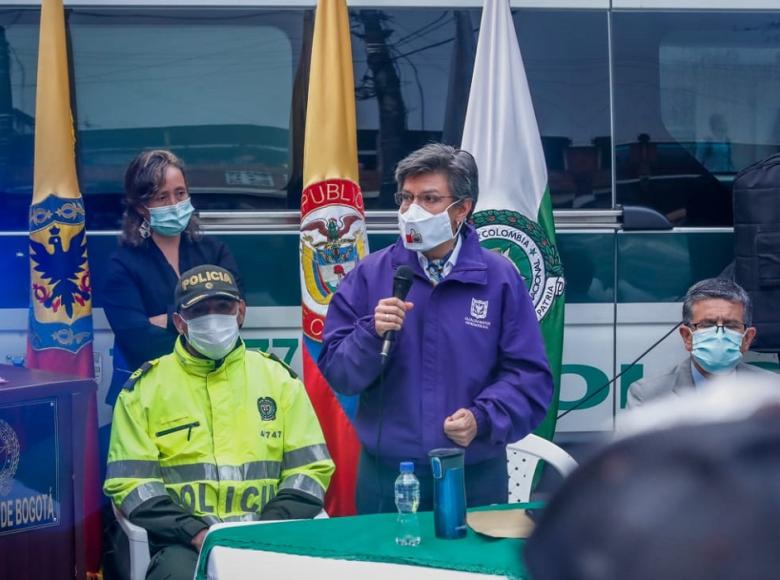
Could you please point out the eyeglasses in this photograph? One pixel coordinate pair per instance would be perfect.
(734, 325)
(426, 199)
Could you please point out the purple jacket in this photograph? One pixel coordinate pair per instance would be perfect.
(471, 341)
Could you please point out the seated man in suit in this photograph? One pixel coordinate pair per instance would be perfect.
(716, 330)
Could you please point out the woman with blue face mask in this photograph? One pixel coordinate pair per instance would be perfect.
(160, 239)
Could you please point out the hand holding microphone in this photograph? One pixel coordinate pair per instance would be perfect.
(389, 313)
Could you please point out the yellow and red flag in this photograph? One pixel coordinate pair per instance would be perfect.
(333, 230)
(60, 330)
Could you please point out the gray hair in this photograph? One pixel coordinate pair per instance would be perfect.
(717, 288)
(457, 165)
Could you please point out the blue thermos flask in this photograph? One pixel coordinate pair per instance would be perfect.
(449, 493)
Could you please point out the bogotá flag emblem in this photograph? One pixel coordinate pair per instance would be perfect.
(527, 245)
(514, 211)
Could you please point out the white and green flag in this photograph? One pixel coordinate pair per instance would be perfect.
(514, 212)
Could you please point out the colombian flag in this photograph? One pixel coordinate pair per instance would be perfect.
(60, 330)
(333, 230)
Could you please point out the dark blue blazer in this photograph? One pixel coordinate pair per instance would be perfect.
(140, 284)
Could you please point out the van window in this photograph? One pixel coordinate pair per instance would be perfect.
(566, 55)
(695, 102)
(215, 87)
(413, 73)
(222, 89)
(18, 73)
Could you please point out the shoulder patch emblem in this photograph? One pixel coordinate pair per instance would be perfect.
(266, 406)
(275, 358)
(137, 374)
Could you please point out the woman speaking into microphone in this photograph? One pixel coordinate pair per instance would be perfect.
(466, 365)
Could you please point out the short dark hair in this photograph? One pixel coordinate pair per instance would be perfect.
(689, 503)
(717, 288)
(143, 178)
(457, 165)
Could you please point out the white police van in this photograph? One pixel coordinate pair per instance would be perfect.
(647, 109)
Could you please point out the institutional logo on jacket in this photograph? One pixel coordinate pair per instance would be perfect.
(478, 312)
(479, 308)
(267, 408)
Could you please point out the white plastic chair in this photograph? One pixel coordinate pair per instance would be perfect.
(139, 545)
(139, 540)
(522, 458)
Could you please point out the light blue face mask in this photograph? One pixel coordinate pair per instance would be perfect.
(171, 220)
(716, 350)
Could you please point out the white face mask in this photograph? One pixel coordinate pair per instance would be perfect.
(422, 230)
(213, 335)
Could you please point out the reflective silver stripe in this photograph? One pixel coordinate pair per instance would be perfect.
(210, 520)
(134, 469)
(210, 472)
(305, 484)
(304, 456)
(190, 472)
(142, 493)
(251, 471)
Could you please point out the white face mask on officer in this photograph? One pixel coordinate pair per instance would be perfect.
(213, 335)
(422, 230)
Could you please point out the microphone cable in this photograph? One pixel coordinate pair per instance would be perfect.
(380, 423)
(620, 374)
(402, 283)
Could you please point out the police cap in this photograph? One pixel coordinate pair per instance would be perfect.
(203, 282)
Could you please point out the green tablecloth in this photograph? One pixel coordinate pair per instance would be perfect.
(372, 538)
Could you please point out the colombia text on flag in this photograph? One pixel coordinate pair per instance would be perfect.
(60, 333)
(333, 229)
(514, 212)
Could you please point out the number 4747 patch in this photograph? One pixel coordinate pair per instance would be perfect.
(266, 406)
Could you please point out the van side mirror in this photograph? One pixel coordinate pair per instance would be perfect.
(638, 217)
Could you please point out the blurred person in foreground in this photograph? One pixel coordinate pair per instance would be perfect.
(717, 331)
(688, 498)
(467, 366)
(160, 239)
(212, 432)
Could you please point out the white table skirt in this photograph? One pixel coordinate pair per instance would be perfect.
(237, 564)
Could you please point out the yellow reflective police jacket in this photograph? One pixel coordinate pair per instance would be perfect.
(219, 439)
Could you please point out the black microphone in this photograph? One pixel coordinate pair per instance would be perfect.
(402, 282)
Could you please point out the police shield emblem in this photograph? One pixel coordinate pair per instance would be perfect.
(266, 406)
(526, 244)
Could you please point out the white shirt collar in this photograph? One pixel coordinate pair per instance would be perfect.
(699, 380)
(448, 265)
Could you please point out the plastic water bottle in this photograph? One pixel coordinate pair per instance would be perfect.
(407, 498)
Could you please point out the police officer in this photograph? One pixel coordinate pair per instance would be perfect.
(212, 432)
